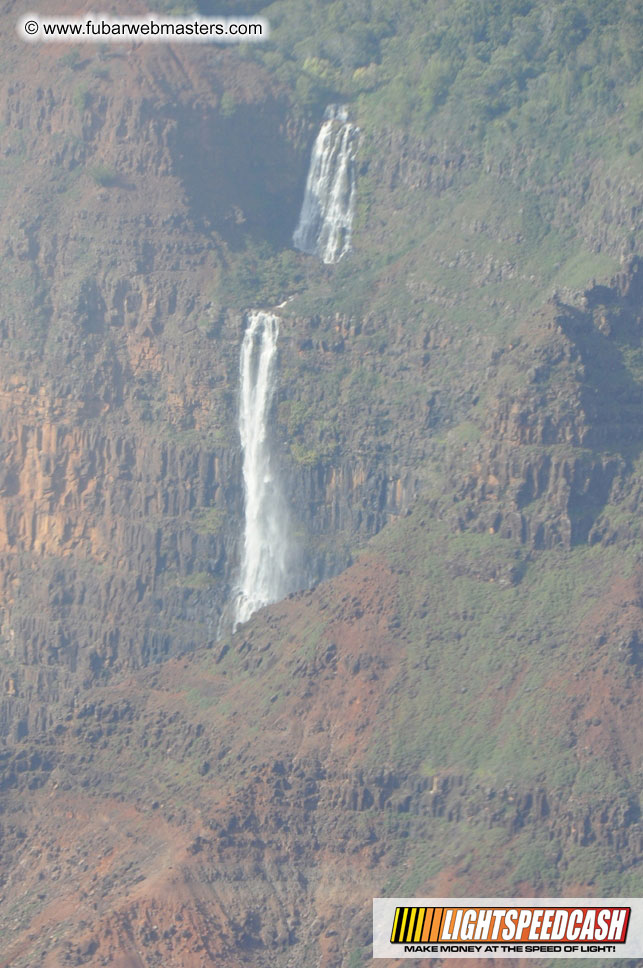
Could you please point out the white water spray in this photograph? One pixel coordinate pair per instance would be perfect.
(265, 558)
(326, 218)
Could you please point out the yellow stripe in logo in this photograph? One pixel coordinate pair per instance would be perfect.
(412, 924)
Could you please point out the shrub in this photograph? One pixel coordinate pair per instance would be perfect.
(81, 98)
(228, 105)
(71, 59)
(104, 176)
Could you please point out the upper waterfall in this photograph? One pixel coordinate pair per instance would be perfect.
(265, 556)
(326, 217)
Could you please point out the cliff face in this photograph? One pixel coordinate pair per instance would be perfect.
(561, 435)
(94, 347)
(119, 550)
(243, 804)
(120, 496)
(449, 708)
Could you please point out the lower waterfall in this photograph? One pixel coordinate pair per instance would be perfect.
(264, 576)
(326, 218)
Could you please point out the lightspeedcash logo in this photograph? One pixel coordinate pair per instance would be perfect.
(511, 928)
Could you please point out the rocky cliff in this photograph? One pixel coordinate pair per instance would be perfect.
(448, 704)
(121, 474)
(561, 435)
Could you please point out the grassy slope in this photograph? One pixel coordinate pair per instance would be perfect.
(500, 160)
(515, 687)
(542, 102)
(497, 716)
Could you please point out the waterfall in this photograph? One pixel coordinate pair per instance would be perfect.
(325, 222)
(265, 558)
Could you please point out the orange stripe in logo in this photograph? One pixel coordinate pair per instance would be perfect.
(437, 924)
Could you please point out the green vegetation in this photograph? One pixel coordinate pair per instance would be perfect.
(261, 276)
(359, 957)
(460, 67)
(480, 689)
(81, 98)
(509, 640)
(208, 521)
(514, 112)
(227, 105)
(198, 581)
(104, 176)
(488, 127)
(102, 73)
(514, 97)
(174, 8)
(72, 58)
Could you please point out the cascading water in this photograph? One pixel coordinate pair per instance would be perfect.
(326, 218)
(265, 560)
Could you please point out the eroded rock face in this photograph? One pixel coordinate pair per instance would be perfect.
(562, 424)
(120, 485)
(253, 799)
(120, 477)
(238, 798)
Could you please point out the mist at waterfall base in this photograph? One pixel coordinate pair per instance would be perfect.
(267, 563)
(326, 218)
